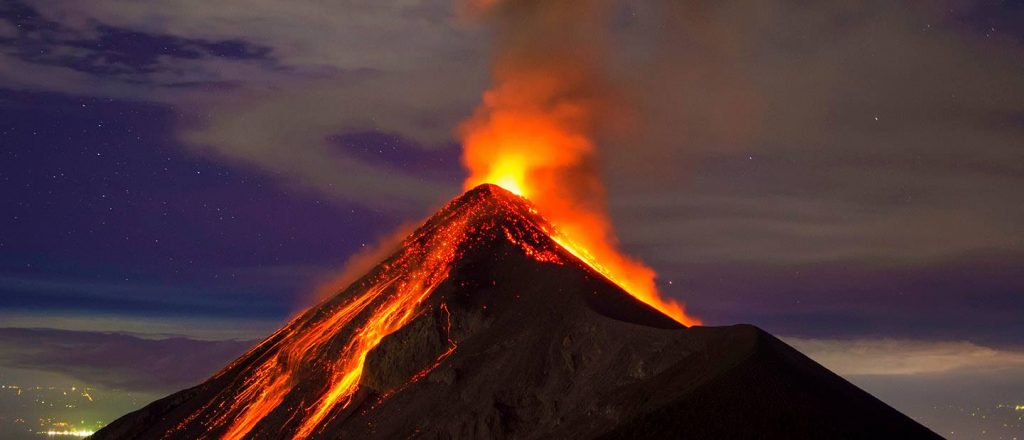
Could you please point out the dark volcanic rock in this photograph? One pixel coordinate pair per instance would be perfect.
(509, 346)
(404, 353)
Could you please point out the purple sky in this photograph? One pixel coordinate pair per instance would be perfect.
(828, 172)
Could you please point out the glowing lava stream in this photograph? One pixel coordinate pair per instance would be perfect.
(272, 380)
(389, 318)
(390, 304)
(332, 341)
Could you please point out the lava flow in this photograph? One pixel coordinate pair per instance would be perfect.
(482, 326)
(327, 346)
(393, 303)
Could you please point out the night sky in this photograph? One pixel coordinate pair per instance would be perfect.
(847, 175)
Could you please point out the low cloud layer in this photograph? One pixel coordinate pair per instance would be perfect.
(902, 357)
(117, 361)
(959, 389)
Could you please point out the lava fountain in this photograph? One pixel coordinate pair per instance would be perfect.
(534, 133)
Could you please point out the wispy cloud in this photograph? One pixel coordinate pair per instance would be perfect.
(900, 357)
(867, 132)
(266, 85)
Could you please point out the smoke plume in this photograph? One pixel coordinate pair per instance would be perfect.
(534, 133)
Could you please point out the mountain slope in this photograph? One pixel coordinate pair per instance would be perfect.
(481, 326)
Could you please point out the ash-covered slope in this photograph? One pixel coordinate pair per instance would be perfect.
(482, 327)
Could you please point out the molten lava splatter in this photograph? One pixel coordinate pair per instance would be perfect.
(534, 132)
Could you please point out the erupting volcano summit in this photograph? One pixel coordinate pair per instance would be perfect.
(483, 326)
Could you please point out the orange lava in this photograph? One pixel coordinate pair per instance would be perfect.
(308, 372)
(385, 303)
(273, 379)
(333, 340)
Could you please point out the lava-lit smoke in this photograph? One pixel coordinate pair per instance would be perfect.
(534, 132)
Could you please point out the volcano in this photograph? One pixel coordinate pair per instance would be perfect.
(482, 326)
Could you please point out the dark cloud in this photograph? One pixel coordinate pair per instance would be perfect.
(119, 53)
(116, 360)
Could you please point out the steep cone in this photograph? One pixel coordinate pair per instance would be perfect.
(482, 326)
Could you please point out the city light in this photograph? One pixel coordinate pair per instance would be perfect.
(72, 433)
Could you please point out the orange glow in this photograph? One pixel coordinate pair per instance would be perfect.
(587, 235)
(333, 339)
(274, 379)
(392, 303)
(533, 135)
